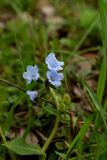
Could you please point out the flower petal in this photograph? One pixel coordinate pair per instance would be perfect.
(32, 94)
(57, 84)
(54, 78)
(26, 75)
(29, 68)
(53, 63)
(31, 74)
(35, 68)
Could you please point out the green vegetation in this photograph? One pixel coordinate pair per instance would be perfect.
(64, 123)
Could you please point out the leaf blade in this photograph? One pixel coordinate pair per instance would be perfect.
(21, 148)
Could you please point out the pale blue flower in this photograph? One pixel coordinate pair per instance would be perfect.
(53, 63)
(54, 78)
(32, 94)
(31, 74)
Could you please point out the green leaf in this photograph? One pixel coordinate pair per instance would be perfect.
(60, 154)
(102, 80)
(103, 70)
(79, 136)
(50, 110)
(101, 148)
(3, 96)
(96, 103)
(21, 148)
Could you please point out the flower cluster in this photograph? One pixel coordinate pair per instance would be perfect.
(53, 76)
(53, 67)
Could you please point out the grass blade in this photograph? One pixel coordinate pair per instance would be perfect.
(103, 71)
(80, 135)
(96, 103)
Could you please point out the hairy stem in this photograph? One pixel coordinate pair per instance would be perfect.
(54, 130)
(24, 90)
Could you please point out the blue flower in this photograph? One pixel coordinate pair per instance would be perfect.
(53, 63)
(31, 74)
(32, 94)
(54, 78)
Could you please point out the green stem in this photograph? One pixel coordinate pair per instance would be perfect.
(24, 90)
(2, 136)
(54, 130)
(5, 81)
(5, 141)
(79, 52)
(43, 99)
